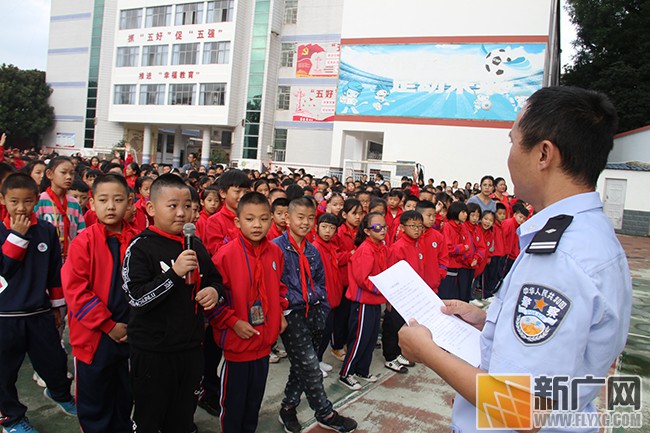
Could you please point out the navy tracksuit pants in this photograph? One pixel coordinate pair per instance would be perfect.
(37, 337)
(362, 338)
(211, 358)
(104, 399)
(242, 390)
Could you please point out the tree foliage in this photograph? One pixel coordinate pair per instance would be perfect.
(613, 55)
(24, 110)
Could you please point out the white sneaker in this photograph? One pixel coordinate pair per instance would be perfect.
(324, 373)
(350, 382)
(325, 366)
(369, 378)
(476, 303)
(405, 362)
(273, 358)
(39, 381)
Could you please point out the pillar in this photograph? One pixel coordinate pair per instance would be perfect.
(146, 145)
(205, 147)
(178, 143)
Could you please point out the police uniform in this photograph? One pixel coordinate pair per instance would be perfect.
(564, 308)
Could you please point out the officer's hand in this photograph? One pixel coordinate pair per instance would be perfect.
(469, 313)
(415, 341)
(244, 330)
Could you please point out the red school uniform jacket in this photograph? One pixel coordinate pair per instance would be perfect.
(201, 225)
(274, 232)
(242, 266)
(394, 233)
(390, 219)
(477, 246)
(333, 286)
(410, 250)
(499, 242)
(510, 237)
(369, 259)
(488, 241)
(220, 230)
(436, 257)
(87, 280)
(344, 243)
(456, 237)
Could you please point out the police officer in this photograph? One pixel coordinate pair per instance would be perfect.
(564, 308)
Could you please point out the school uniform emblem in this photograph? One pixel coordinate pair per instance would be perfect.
(540, 311)
(420, 256)
(42, 247)
(275, 268)
(434, 245)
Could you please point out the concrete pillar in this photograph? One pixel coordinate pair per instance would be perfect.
(146, 145)
(178, 143)
(205, 146)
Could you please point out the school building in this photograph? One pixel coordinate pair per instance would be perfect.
(331, 85)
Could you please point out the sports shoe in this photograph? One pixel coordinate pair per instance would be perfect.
(289, 420)
(68, 407)
(273, 358)
(39, 380)
(371, 378)
(279, 352)
(325, 366)
(338, 423)
(489, 300)
(405, 362)
(350, 382)
(338, 354)
(22, 426)
(396, 366)
(210, 405)
(324, 373)
(477, 303)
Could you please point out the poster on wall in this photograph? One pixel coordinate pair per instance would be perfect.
(313, 103)
(318, 60)
(449, 81)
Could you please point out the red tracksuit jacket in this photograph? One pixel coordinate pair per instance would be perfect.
(344, 243)
(201, 225)
(436, 257)
(87, 280)
(499, 242)
(411, 250)
(220, 230)
(235, 261)
(274, 232)
(390, 219)
(329, 256)
(510, 237)
(488, 241)
(477, 246)
(369, 259)
(456, 237)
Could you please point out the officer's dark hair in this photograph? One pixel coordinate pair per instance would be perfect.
(423, 205)
(233, 178)
(473, 207)
(455, 209)
(167, 180)
(328, 218)
(110, 178)
(256, 198)
(19, 181)
(301, 202)
(279, 202)
(581, 123)
(520, 208)
(410, 215)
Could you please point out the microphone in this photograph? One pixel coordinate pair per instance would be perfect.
(188, 243)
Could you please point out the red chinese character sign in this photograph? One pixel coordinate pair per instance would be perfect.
(318, 60)
(313, 104)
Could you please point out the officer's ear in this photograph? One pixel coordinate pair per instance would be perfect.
(548, 155)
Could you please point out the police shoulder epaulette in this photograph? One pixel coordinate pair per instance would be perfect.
(547, 239)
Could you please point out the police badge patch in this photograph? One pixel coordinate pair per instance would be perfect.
(540, 311)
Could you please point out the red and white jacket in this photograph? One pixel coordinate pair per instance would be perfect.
(369, 259)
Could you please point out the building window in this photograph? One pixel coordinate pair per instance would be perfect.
(216, 53)
(154, 55)
(284, 97)
(280, 145)
(124, 94)
(130, 19)
(213, 94)
(152, 94)
(181, 94)
(159, 16)
(127, 56)
(290, 11)
(189, 13)
(219, 11)
(185, 54)
(287, 55)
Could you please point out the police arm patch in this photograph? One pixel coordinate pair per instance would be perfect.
(540, 312)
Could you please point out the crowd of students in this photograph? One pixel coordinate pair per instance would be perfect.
(280, 256)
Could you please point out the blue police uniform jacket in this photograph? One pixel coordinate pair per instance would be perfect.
(565, 312)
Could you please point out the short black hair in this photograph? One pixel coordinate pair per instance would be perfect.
(520, 208)
(194, 195)
(395, 192)
(167, 180)
(79, 185)
(328, 218)
(301, 202)
(110, 166)
(233, 178)
(294, 191)
(279, 202)
(252, 198)
(19, 181)
(455, 209)
(473, 207)
(412, 198)
(410, 215)
(93, 172)
(376, 201)
(207, 190)
(501, 206)
(5, 170)
(423, 205)
(110, 178)
(581, 123)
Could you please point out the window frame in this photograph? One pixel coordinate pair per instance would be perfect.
(225, 7)
(173, 91)
(183, 10)
(125, 19)
(146, 94)
(160, 55)
(119, 90)
(155, 15)
(287, 54)
(218, 93)
(284, 98)
(222, 52)
(178, 54)
(127, 57)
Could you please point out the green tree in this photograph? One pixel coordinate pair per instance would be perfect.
(613, 55)
(24, 110)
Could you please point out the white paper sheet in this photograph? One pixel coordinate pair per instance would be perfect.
(413, 298)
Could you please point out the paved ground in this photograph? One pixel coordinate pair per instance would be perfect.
(417, 402)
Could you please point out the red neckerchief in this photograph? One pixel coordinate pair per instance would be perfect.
(62, 209)
(305, 271)
(335, 277)
(350, 231)
(121, 237)
(7, 221)
(181, 240)
(257, 288)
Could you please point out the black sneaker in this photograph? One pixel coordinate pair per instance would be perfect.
(210, 405)
(338, 423)
(289, 420)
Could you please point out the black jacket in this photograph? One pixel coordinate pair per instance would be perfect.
(164, 315)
